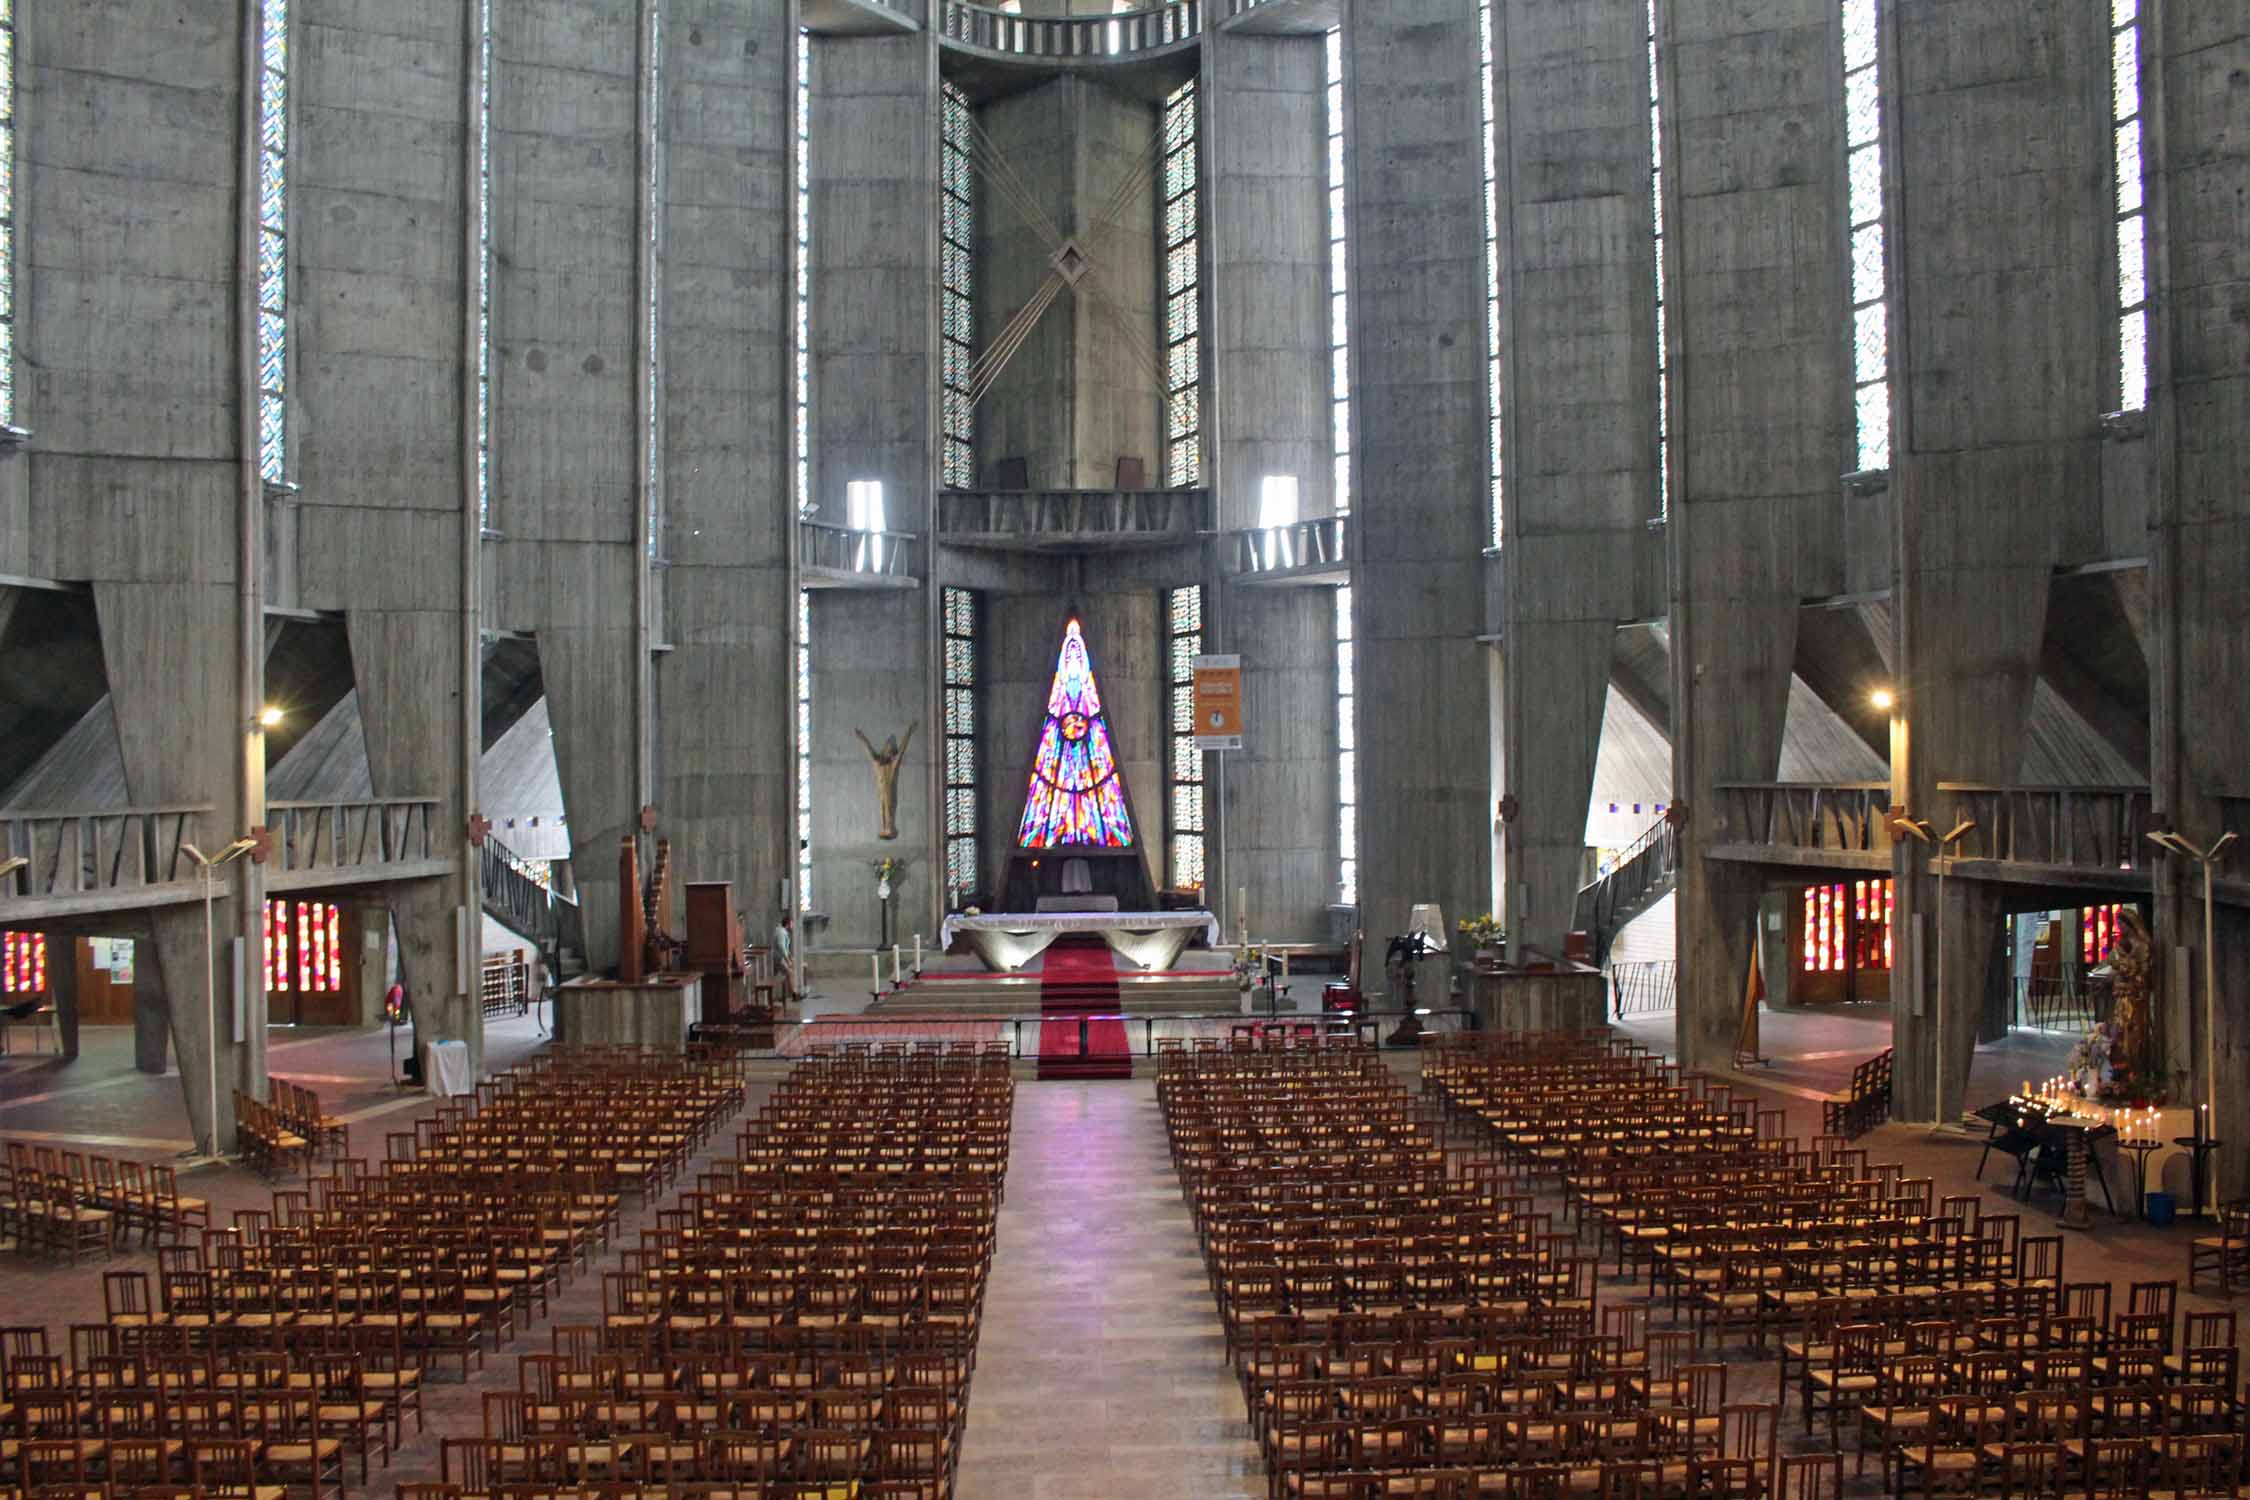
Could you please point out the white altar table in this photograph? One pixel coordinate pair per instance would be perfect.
(1006, 941)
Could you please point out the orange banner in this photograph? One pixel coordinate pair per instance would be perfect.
(1218, 702)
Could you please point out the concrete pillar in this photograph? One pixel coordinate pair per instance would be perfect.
(1420, 456)
(2194, 60)
(569, 488)
(152, 1004)
(1758, 431)
(725, 689)
(1266, 343)
(1999, 279)
(62, 985)
(1578, 337)
(406, 663)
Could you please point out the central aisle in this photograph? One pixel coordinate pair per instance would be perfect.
(1100, 1371)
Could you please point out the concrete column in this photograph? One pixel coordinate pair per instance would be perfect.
(1420, 455)
(62, 984)
(1268, 412)
(1761, 394)
(2194, 60)
(567, 315)
(725, 690)
(874, 335)
(1578, 335)
(382, 177)
(1999, 280)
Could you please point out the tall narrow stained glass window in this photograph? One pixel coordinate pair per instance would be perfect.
(1340, 442)
(959, 607)
(8, 213)
(1488, 105)
(957, 236)
(1076, 793)
(23, 963)
(801, 353)
(1863, 174)
(1656, 218)
(2132, 205)
(273, 237)
(652, 486)
(1183, 315)
(804, 750)
(1184, 771)
(484, 264)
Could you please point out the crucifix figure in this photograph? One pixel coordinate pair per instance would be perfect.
(885, 762)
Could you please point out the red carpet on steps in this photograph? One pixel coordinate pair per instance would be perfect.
(1077, 977)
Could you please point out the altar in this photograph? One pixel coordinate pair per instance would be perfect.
(1006, 941)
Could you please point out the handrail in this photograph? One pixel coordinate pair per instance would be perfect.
(1645, 987)
(1649, 861)
(2084, 827)
(849, 550)
(1070, 38)
(1300, 546)
(1360, 1023)
(91, 851)
(1031, 517)
(1847, 816)
(351, 834)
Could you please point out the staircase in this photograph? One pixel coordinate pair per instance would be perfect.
(517, 899)
(1643, 876)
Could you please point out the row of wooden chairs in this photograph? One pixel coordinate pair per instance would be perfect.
(68, 1203)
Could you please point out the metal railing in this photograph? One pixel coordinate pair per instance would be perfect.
(351, 836)
(1647, 869)
(1300, 547)
(847, 553)
(518, 899)
(2085, 827)
(1647, 988)
(2065, 1005)
(1026, 1035)
(1846, 815)
(1032, 518)
(90, 853)
(1069, 38)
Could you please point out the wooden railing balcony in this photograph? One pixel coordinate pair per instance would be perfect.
(2080, 827)
(1304, 551)
(388, 838)
(114, 857)
(845, 557)
(1845, 817)
(1070, 38)
(1039, 520)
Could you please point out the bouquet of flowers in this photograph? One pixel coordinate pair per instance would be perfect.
(2097, 1066)
(1483, 931)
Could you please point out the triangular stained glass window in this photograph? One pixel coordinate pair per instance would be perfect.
(1077, 794)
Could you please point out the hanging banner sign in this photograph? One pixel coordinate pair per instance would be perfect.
(1218, 702)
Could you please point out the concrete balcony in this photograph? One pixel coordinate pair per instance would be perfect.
(1307, 552)
(1071, 520)
(322, 844)
(1290, 17)
(1070, 40)
(840, 557)
(856, 17)
(113, 859)
(2092, 828)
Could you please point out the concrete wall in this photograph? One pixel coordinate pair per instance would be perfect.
(870, 668)
(1577, 338)
(1075, 396)
(1278, 808)
(1419, 458)
(1760, 434)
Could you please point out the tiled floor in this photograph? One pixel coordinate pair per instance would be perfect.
(1100, 1371)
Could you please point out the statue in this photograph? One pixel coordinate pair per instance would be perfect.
(2133, 979)
(886, 763)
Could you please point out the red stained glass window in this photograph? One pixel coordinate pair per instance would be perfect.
(23, 963)
(304, 947)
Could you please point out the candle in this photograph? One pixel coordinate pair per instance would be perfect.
(894, 966)
(875, 973)
(917, 953)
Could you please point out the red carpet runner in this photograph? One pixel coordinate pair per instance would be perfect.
(1077, 977)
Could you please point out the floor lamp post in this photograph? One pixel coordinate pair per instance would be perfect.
(207, 867)
(2209, 859)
